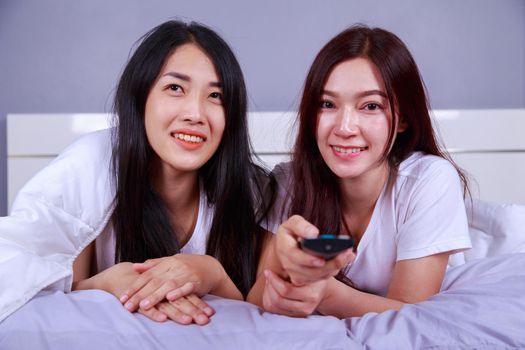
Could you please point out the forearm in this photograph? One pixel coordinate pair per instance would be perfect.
(225, 288)
(81, 267)
(268, 261)
(255, 296)
(88, 283)
(344, 301)
(112, 280)
(222, 285)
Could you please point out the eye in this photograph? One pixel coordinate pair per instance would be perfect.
(216, 98)
(216, 95)
(175, 88)
(372, 106)
(325, 104)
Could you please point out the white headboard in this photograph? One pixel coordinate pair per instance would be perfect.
(488, 144)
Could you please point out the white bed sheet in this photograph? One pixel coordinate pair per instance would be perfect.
(482, 306)
(96, 320)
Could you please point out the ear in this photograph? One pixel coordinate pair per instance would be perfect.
(402, 125)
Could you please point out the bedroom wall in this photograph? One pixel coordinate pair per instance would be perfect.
(64, 56)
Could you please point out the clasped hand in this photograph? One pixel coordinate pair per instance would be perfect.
(170, 287)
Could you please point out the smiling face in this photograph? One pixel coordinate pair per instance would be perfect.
(184, 116)
(354, 120)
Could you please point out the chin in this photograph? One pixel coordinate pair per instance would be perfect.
(343, 172)
(187, 166)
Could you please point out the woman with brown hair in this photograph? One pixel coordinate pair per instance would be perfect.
(365, 164)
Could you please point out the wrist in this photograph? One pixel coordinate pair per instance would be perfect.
(219, 277)
(222, 285)
(323, 306)
(88, 283)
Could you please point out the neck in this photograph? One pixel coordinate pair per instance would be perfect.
(177, 189)
(180, 193)
(359, 195)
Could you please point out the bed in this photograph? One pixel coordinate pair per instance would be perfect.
(481, 306)
(488, 144)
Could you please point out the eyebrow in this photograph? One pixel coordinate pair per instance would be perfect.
(360, 94)
(187, 78)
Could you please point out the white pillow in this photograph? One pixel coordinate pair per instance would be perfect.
(495, 228)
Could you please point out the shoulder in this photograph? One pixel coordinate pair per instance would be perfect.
(283, 173)
(426, 179)
(425, 169)
(420, 165)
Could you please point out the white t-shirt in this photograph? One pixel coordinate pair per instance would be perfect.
(421, 214)
(105, 243)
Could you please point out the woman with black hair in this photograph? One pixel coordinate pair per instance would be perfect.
(185, 194)
(366, 164)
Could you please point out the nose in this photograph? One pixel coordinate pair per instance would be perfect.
(192, 111)
(348, 122)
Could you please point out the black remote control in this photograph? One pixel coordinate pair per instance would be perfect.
(327, 245)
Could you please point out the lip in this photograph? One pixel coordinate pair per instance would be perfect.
(348, 155)
(189, 132)
(187, 144)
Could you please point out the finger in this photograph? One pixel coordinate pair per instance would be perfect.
(288, 248)
(184, 290)
(280, 286)
(146, 265)
(299, 257)
(300, 275)
(273, 301)
(185, 306)
(301, 279)
(297, 226)
(152, 285)
(308, 296)
(201, 304)
(311, 275)
(154, 314)
(341, 260)
(143, 279)
(173, 313)
(137, 285)
(157, 295)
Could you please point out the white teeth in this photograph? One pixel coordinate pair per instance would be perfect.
(189, 138)
(348, 150)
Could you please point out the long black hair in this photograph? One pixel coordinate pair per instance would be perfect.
(231, 180)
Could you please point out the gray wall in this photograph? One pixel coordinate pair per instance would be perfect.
(65, 56)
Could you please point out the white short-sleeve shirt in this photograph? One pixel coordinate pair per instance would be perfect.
(105, 242)
(422, 213)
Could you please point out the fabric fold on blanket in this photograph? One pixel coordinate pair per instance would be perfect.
(481, 306)
(95, 319)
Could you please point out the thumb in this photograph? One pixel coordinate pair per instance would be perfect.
(296, 226)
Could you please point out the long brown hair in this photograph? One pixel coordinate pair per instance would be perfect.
(315, 192)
